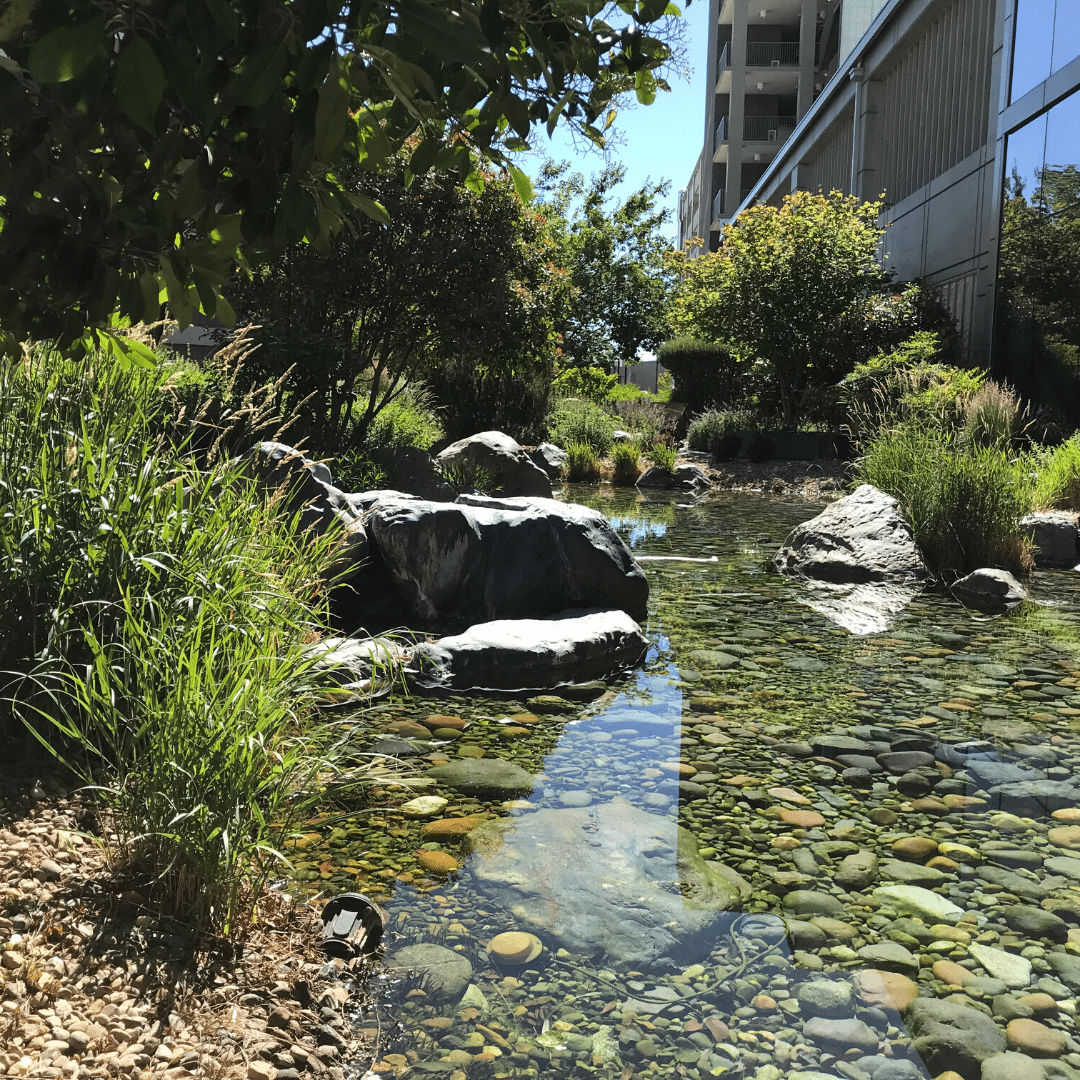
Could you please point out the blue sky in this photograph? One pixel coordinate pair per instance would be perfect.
(661, 141)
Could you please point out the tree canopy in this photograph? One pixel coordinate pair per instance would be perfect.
(614, 254)
(457, 275)
(787, 287)
(146, 148)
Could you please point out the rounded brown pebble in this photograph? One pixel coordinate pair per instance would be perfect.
(447, 828)
(929, 806)
(764, 1003)
(513, 946)
(951, 973)
(455, 722)
(678, 768)
(1038, 1040)
(437, 862)
(784, 843)
(1068, 837)
(914, 848)
(943, 863)
(882, 815)
(802, 819)
(1043, 1004)
(1069, 814)
(885, 989)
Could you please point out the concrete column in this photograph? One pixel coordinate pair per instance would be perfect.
(708, 192)
(735, 109)
(807, 45)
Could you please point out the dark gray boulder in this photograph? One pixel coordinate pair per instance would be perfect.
(656, 477)
(550, 458)
(529, 653)
(307, 484)
(948, 1036)
(506, 463)
(689, 477)
(1055, 538)
(860, 538)
(412, 470)
(989, 590)
(481, 559)
(609, 880)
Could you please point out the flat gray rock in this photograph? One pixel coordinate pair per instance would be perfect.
(446, 973)
(605, 881)
(948, 1036)
(1054, 538)
(479, 775)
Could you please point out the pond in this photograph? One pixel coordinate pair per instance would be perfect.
(890, 819)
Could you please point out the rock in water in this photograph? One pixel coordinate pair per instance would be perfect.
(550, 458)
(992, 591)
(949, 1036)
(604, 880)
(446, 974)
(506, 463)
(528, 653)
(862, 537)
(1054, 536)
(480, 559)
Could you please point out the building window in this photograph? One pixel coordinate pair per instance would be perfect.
(1046, 37)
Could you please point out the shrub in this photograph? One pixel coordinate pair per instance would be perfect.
(583, 422)
(466, 477)
(627, 392)
(410, 420)
(1057, 484)
(663, 456)
(717, 432)
(647, 420)
(964, 501)
(591, 383)
(703, 374)
(625, 459)
(993, 417)
(582, 463)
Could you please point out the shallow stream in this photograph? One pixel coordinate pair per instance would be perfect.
(851, 788)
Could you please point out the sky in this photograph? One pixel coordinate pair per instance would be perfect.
(661, 141)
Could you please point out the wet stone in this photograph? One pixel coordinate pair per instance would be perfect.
(842, 1034)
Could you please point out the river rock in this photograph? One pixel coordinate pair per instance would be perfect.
(656, 476)
(531, 653)
(860, 538)
(885, 989)
(1034, 797)
(949, 1036)
(308, 485)
(811, 902)
(507, 464)
(598, 881)
(825, 997)
(1014, 971)
(1012, 1066)
(1034, 922)
(483, 776)
(480, 559)
(411, 470)
(550, 458)
(1054, 538)
(989, 590)
(915, 900)
(857, 871)
(446, 973)
(840, 1035)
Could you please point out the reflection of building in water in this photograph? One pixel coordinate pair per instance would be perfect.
(964, 113)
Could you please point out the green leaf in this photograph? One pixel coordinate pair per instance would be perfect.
(140, 82)
(423, 157)
(374, 210)
(65, 53)
(522, 184)
(332, 114)
(134, 351)
(450, 38)
(475, 182)
(225, 16)
(645, 86)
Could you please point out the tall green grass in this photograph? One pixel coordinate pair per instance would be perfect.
(1057, 485)
(964, 501)
(153, 618)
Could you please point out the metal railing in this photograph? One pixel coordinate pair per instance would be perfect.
(721, 131)
(724, 60)
(772, 54)
(718, 205)
(768, 128)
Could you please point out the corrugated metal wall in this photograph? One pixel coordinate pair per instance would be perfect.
(933, 103)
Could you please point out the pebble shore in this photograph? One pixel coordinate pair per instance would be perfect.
(96, 986)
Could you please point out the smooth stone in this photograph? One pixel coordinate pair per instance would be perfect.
(801, 819)
(915, 848)
(840, 1033)
(475, 776)
(1065, 836)
(857, 871)
(1038, 1040)
(825, 997)
(890, 956)
(1013, 882)
(954, 1037)
(804, 935)
(575, 798)
(914, 900)
(811, 902)
(912, 873)
(1012, 1066)
(424, 806)
(883, 1068)
(1063, 864)
(448, 973)
(885, 989)
(899, 762)
(951, 973)
(1014, 971)
(1034, 922)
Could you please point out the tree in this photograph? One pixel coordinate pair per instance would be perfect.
(456, 276)
(146, 148)
(788, 288)
(614, 256)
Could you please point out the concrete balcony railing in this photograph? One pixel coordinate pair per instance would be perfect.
(723, 62)
(772, 54)
(721, 131)
(768, 128)
(718, 205)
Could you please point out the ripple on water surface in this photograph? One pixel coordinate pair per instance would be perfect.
(890, 819)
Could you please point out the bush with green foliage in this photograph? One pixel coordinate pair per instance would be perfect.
(626, 464)
(647, 420)
(591, 383)
(574, 420)
(662, 456)
(964, 501)
(153, 617)
(582, 463)
(627, 392)
(718, 432)
(408, 420)
(704, 374)
(1057, 482)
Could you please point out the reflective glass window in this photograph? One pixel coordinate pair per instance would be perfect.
(1033, 44)
(1066, 34)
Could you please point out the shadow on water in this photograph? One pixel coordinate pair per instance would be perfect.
(861, 804)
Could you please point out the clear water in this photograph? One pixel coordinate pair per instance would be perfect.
(739, 667)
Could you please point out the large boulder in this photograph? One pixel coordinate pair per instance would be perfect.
(507, 465)
(989, 590)
(307, 485)
(480, 559)
(412, 470)
(550, 458)
(1055, 538)
(512, 654)
(860, 538)
(610, 880)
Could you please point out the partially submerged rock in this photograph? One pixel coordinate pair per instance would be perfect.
(480, 559)
(989, 590)
(1054, 537)
(523, 653)
(608, 880)
(506, 463)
